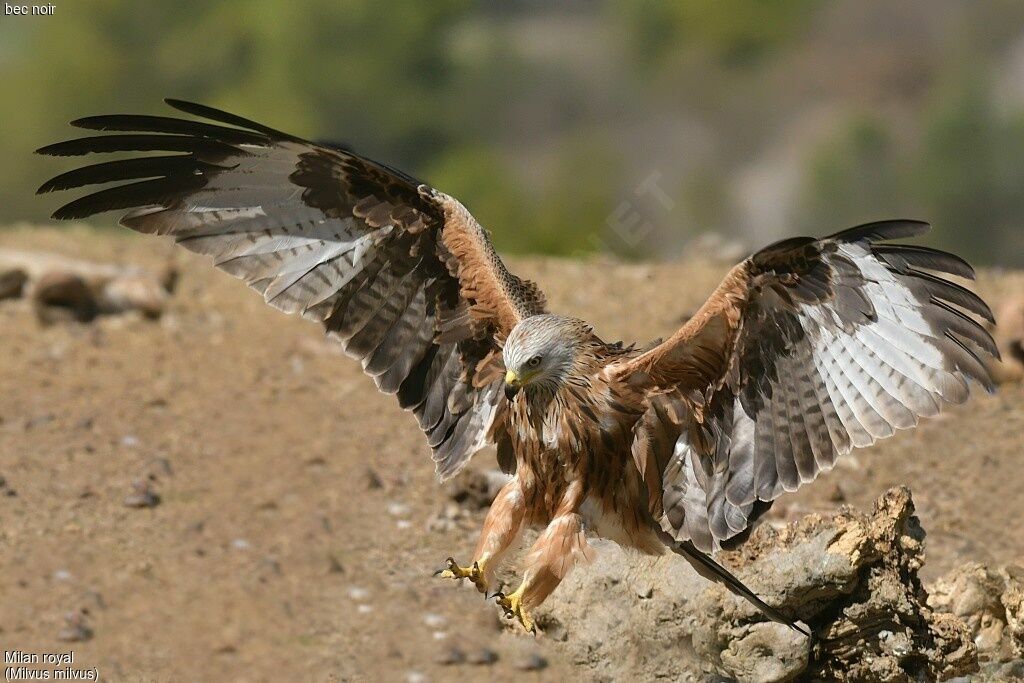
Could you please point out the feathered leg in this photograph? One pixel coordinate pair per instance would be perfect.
(558, 549)
(501, 528)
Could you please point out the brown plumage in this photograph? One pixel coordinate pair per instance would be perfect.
(807, 349)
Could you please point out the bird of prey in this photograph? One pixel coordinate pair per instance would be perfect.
(808, 349)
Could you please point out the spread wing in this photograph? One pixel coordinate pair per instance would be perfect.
(808, 349)
(400, 273)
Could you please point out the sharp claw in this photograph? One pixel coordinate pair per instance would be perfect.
(502, 600)
(453, 570)
(449, 565)
(512, 607)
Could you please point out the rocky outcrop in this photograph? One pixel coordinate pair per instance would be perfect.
(990, 602)
(63, 288)
(1009, 337)
(851, 577)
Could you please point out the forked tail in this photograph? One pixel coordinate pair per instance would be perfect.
(707, 567)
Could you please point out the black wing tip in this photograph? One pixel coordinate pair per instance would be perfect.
(918, 256)
(90, 122)
(70, 212)
(189, 107)
(56, 149)
(199, 109)
(76, 210)
(105, 122)
(59, 215)
(213, 114)
(881, 231)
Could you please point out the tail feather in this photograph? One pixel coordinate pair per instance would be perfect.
(707, 567)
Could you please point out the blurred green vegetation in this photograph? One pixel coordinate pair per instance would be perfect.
(851, 171)
(760, 117)
(737, 32)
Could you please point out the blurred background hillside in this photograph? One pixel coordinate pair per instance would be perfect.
(632, 127)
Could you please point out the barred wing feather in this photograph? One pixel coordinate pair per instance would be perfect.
(400, 273)
(809, 348)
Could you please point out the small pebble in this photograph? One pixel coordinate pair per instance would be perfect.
(143, 496)
(373, 480)
(415, 677)
(334, 565)
(365, 609)
(75, 630)
(358, 594)
(398, 509)
(533, 662)
(62, 575)
(240, 544)
(450, 656)
(434, 620)
(482, 657)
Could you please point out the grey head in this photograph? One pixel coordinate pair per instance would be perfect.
(541, 352)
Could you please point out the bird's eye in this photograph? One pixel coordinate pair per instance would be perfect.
(533, 362)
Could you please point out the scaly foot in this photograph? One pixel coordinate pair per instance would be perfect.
(513, 606)
(474, 573)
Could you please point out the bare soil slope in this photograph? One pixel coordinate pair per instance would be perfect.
(291, 540)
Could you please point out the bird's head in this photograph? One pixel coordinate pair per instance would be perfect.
(541, 352)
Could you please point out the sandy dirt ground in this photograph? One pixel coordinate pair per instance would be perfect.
(292, 538)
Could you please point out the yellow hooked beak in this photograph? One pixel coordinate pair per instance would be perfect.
(513, 383)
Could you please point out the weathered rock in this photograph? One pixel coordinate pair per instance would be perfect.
(991, 604)
(1013, 603)
(1009, 336)
(12, 282)
(59, 295)
(851, 577)
(63, 288)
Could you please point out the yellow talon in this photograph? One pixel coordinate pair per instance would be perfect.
(513, 606)
(474, 573)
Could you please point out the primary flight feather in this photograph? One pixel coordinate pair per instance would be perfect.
(808, 349)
